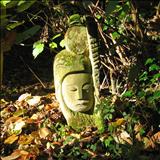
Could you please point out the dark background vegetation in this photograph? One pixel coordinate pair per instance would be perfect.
(129, 36)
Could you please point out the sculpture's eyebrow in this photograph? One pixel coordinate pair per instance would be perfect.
(87, 83)
(71, 85)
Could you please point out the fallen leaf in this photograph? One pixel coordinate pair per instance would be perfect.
(35, 117)
(19, 112)
(119, 121)
(11, 139)
(18, 125)
(75, 135)
(44, 132)
(122, 137)
(155, 139)
(12, 120)
(25, 139)
(33, 100)
(24, 97)
(17, 154)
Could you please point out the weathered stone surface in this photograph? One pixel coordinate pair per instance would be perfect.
(73, 80)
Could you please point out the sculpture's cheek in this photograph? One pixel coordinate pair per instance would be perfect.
(78, 105)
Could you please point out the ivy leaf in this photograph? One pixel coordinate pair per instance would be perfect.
(128, 94)
(62, 43)
(115, 35)
(25, 5)
(14, 25)
(75, 18)
(156, 95)
(27, 34)
(149, 61)
(154, 67)
(38, 47)
(111, 6)
(53, 45)
(4, 3)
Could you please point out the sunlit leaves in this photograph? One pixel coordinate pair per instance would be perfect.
(56, 36)
(53, 45)
(154, 67)
(128, 94)
(115, 35)
(62, 43)
(18, 154)
(4, 2)
(38, 48)
(14, 25)
(11, 139)
(74, 19)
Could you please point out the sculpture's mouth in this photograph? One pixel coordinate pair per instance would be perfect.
(83, 102)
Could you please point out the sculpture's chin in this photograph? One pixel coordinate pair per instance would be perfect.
(81, 108)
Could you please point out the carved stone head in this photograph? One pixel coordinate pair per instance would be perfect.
(77, 92)
(73, 85)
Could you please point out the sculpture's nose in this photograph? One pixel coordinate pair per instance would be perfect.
(79, 94)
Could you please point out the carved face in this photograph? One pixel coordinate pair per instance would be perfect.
(77, 92)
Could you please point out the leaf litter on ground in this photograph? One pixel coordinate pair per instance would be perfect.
(33, 127)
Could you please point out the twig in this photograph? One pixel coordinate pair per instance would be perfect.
(32, 72)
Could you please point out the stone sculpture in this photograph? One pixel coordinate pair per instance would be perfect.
(73, 79)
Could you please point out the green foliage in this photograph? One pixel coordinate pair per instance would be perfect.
(24, 5)
(4, 3)
(38, 48)
(137, 103)
(29, 33)
(107, 109)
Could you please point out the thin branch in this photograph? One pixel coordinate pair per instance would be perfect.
(32, 72)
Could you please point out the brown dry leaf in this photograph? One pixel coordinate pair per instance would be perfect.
(55, 104)
(122, 137)
(29, 120)
(93, 154)
(25, 139)
(13, 156)
(35, 134)
(11, 139)
(48, 107)
(44, 132)
(151, 143)
(137, 129)
(56, 143)
(12, 120)
(20, 154)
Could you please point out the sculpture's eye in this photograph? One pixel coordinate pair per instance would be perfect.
(73, 89)
(87, 87)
